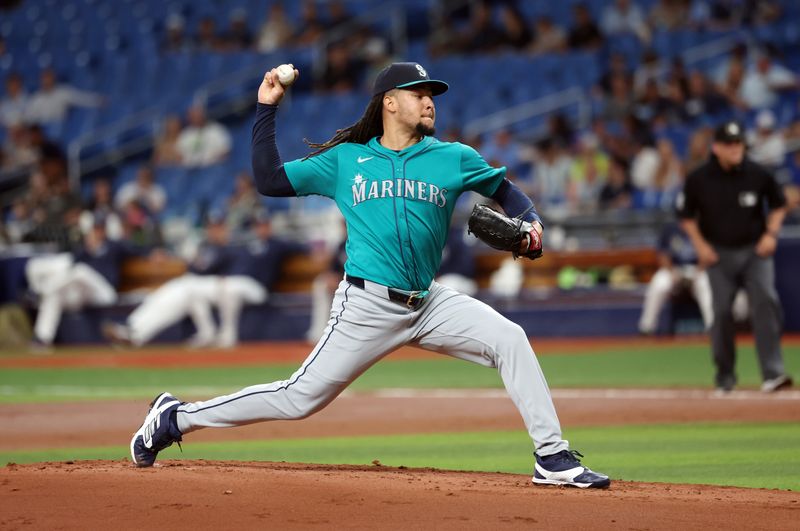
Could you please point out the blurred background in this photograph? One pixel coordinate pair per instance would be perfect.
(136, 115)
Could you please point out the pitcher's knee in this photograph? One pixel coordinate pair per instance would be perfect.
(510, 334)
(301, 406)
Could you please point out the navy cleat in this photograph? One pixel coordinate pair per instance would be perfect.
(565, 468)
(158, 430)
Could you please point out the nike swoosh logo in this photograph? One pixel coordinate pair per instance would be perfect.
(364, 159)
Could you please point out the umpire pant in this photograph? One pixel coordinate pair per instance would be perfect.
(742, 267)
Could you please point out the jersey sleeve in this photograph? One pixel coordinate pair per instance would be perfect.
(478, 175)
(314, 175)
(686, 204)
(774, 193)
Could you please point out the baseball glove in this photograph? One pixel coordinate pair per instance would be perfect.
(504, 233)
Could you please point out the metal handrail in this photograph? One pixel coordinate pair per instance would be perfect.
(575, 94)
(77, 167)
(531, 109)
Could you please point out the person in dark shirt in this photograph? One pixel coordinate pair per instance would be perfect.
(733, 210)
(71, 281)
(254, 271)
(584, 34)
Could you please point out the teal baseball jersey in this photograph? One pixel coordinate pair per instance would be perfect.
(397, 204)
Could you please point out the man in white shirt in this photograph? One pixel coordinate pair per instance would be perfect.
(766, 144)
(143, 189)
(763, 82)
(14, 106)
(51, 103)
(203, 143)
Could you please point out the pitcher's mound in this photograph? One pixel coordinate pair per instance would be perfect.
(225, 495)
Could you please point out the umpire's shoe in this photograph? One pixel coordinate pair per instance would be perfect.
(565, 468)
(158, 431)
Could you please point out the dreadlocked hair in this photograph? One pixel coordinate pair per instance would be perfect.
(368, 126)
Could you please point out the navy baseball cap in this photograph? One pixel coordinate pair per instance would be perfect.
(729, 133)
(405, 75)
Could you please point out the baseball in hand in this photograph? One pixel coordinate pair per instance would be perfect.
(286, 74)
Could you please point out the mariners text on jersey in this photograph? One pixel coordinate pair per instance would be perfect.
(406, 188)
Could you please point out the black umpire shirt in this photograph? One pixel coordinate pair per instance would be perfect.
(730, 206)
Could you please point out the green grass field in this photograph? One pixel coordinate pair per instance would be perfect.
(652, 367)
(741, 454)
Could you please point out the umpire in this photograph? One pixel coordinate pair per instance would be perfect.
(732, 210)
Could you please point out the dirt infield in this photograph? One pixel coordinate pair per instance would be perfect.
(213, 495)
(203, 495)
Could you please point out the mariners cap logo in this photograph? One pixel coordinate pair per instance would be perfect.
(405, 75)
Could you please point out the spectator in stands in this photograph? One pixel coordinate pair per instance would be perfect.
(254, 272)
(515, 28)
(482, 35)
(738, 54)
(619, 103)
(560, 130)
(90, 278)
(697, 152)
(764, 82)
(548, 37)
(617, 67)
(337, 14)
(650, 68)
(733, 210)
(207, 38)
(243, 204)
(666, 181)
(503, 149)
(669, 15)
(50, 104)
(625, 17)
(140, 226)
(175, 39)
(53, 209)
(191, 294)
(165, 150)
(144, 190)
(14, 105)
(550, 174)
(310, 26)
(617, 192)
(342, 69)
(651, 105)
(587, 174)
(766, 144)
(238, 36)
(277, 29)
(731, 86)
(101, 206)
(202, 142)
(18, 152)
(584, 34)
(702, 100)
(677, 269)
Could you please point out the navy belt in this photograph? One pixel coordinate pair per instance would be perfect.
(410, 299)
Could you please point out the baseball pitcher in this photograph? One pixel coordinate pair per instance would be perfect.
(396, 186)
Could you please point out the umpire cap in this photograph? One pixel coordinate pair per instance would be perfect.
(729, 133)
(404, 75)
